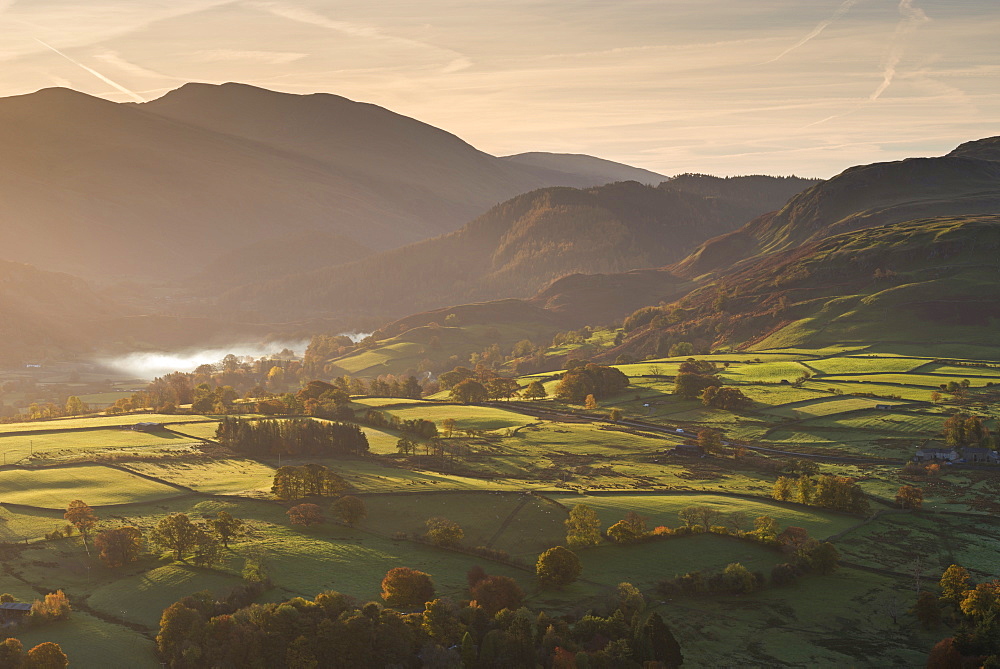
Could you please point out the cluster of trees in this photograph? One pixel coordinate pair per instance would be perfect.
(694, 377)
(975, 607)
(201, 542)
(840, 493)
(468, 386)
(416, 426)
(963, 429)
(309, 480)
(334, 630)
(47, 655)
(348, 509)
(295, 437)
(586, 378)
(729, 398)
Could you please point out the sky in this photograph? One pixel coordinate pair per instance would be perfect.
(726, 87)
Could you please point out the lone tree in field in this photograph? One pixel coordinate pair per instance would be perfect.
(306, 514)
(710, 441)
(403, 586)
(119, 546)
(350, 510)
(558, 567)
(176, 532)
(583, 527)
(909, 497)
(82, 517)
(444, 532)
(227, 527)
(535, 391)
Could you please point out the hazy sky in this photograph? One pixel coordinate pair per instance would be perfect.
(720, 86)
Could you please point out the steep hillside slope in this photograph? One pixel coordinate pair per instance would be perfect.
(517, 248)
(966, 181)
(929, 282)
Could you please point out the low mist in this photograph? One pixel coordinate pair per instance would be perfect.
(148, 365)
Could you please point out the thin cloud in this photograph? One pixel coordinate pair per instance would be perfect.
(820, 27)
(135, 96)
(456, 61)
(912, 18)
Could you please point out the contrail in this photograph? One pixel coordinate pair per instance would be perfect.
(912, 17)
(820, 27)
(133, 95)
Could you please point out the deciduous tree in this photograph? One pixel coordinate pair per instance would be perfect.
(176, 532)
(444, 532)
(350, 509)
(910, 497)
(306, 514)
(81, 516)
(558, 567)
(119, 546)
(494, 593)
(583, 527)
(227, 527)
(403, 586)
(46, 655)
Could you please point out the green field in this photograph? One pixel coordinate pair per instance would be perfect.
(662, 510)
(49, 445)
(216, 477)
(54, 487)
(826, 406)
(98, 421)
(865, 365)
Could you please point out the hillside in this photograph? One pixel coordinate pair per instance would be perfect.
(520, 246)
(928, 282)
(966, 181)
(162, 189)
(45, 314)
(600, 170)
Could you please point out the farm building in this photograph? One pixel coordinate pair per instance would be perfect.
(14, 611)
(935, 454)
(976, 454)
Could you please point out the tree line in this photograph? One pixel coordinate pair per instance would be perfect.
(293, 437)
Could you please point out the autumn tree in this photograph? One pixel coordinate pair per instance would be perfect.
(306, 514)
(350, 510)
(738, 521)
(403, 586)
(954, 582)
(701, 514)
(55, 606)
(448, 427)
(469, 391)
(909, 497)
(494, 593)
(119, 546)
(558, 567)
(11, 653)
(765, 528)
(583, 527)
(444, 532)
(81, 516)
(782, 489)
(46, 655)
